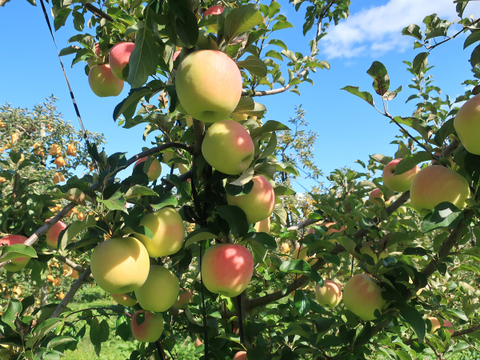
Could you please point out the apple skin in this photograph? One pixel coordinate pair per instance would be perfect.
(243, 116)
(184, 297)
(168, 232)
(118, 58)
(436, 324)
(102, 81)
(228, 147)
(241, 355)
(198, 342)
(263, 225)
(214, 10)
(160, 290)
(436, 184)
(362, 296)
(150, 329)
(467, 124)
(209, 85)
(329, 295)
(374, 195)
(120, 265)
(53, 234)
(154, 170)
(399, 183)
(227, 269)
(19, 263)
(259, 203)
(124, 299)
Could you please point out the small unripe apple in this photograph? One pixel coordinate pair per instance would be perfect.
(467, 124)
(119, 57)
(19, 263)
(241, 355)
(148, 330)
(102, 81)
(399, 182)
(160, 290)
(329, 295)
(154, 170)
(362, 296)
(124, 299)
(53, 234)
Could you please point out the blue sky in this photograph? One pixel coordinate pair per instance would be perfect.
(348, 128)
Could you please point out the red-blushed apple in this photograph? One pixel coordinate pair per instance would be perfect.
(147, 326)
(362, 296)
(436, 184)
(228, 147)
(263, 226)
(241, 355)
(214, 10)
(154, 170)
(184, 297)
(209, 85)
(119, 57)
(467, 125)
(168, 232)
(124, 299)
(53, 234)
(259, 203)
(102, 81)
(399, 182)
(329, 295)
(120, 265)
(227, 269)
(376, 194)
(19, 263)
(160, 290)
(198, 342)
(436, 324)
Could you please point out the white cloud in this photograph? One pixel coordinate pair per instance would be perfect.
(377, 30)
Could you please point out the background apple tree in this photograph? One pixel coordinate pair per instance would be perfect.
(426, 264)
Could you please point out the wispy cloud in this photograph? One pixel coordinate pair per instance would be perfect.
(377, 30)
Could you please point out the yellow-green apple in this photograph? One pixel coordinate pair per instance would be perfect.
(168, 232)
(124, 299)
(263, 225)
(209, 85)
(184, 297)
(154, 170)
(227, 269)
(240, 355)
(399, 182)
(102, 81)
(243, 116)
(259, 203)
(329, 295)
(160, 290)
(19, 263)
(362, 296)
(120, 265)
(436, 184)
(228, 147)
(467, 124)
(119, 57)
(147, 326)
(436, 324)
(53, 234)
(376, 194)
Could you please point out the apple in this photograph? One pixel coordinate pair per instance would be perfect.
(259, 203)
(243, 116)
(436, 184)
(209, 85)
(227, 269)
(102, 81)
(154, 170)
(399, 182)
(148, 330)
(53, 234)
(184, 297)
(263, 225)
(198, 342)
(467, 124)
(168, 232)
(120, 265)
(362, 296)
(436, 324)
(228, 147)
(19, 263)
(119, 57)
(329, 295)
(214, 10)
(376, 194)
(160, 290)
(124, 299)
(241, 355)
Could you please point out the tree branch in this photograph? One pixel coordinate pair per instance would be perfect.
(98, 12)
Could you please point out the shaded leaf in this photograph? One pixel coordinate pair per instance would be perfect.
(444, 215)
(365, 95)
(242, 19)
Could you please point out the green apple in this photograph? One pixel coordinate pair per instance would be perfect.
(329, 295)
(227, 269)
(120, 265)
(154, 170)
(228, 147)
(259, 203)
(209, 85)
(19, 263)
(467, 124)
(263, 225)
(119, 57)
(241, 355)
(53, 234)
(124, 299)
(147, 326)
(102, 81)
(436, 184)
(160, 290)
(362, 296)
(399, 182)
(168, 232)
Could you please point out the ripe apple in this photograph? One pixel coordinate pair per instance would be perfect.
(19, 263)
(198, 342)
(227, 269)
(168, 232)
(154, 170)
(329, 295)
(209, 85)
(148, 330)
(160, 290)
(436, 324)
(400, 182)
(467, 125)
(241, 355)
(102, 81)
(259, 203)
(436, 184)
(119, 57)
(214, 10)
(53, 234)
(362, 296)
(228, 147)
(120, 265)
(124, 299)
(376, 194)
(263, 225)
(184, 297)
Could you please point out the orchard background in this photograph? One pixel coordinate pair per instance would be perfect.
(426, 263)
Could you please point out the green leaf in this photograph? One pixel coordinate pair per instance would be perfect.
(475, 57)
(278, 43)
(144, 58)
(302, 304)
(443, 132)
(13, 311)
(365, 95)
(59, 340)
(420, 63)
(236, 218)
(269, 126)
(414, 318)
(471, 39)
(266, 240)
(410, 161)
(69, 50)
(416, 124)
(242, 189)
(283, 190)
(76, 228)
(444, 215)
(128, 105)
(17, 250)
(413, 30)
(167, 199)
(281, 25)
(242, 19)
(61, 18)
(381, 80)
(99, 332)
(199, 235)
(116, 202)
(274, 54)
(187, 28)
(139, 191)
(254, 65)
(295, 267)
